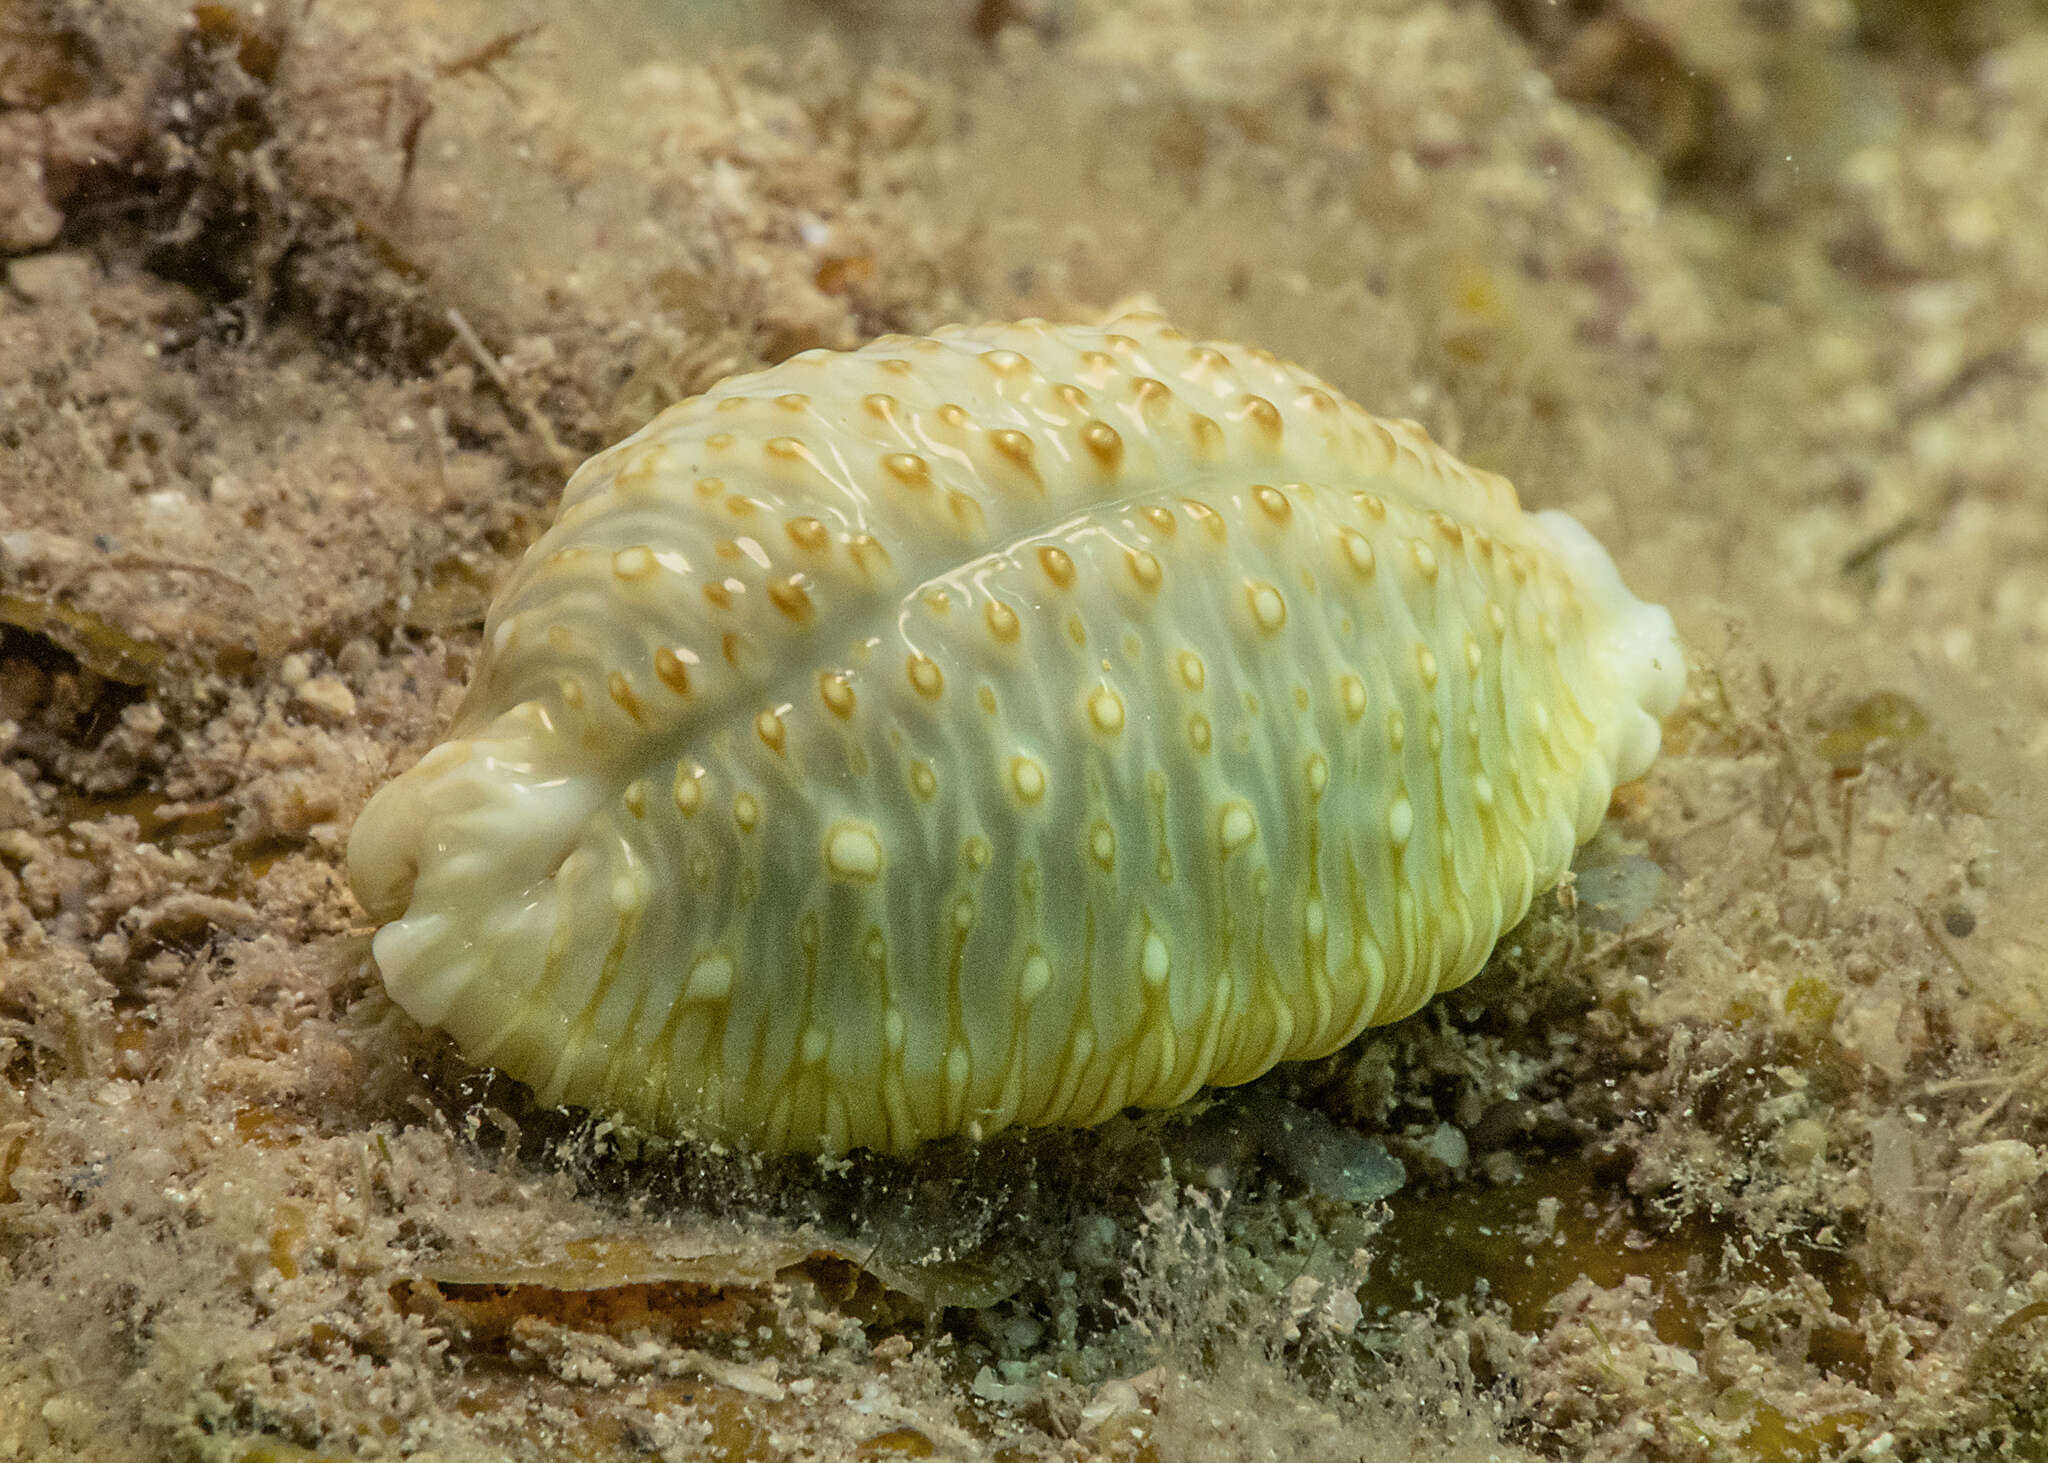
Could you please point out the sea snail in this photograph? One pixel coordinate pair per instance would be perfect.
(1003, 727)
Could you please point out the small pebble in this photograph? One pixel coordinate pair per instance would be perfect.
(357, 659)
(1447, 1146)
(52, 279)
(1615, 893)
(326, 697)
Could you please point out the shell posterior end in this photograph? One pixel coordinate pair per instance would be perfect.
(1638, 642)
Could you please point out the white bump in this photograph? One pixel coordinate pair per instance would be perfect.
(1035, 981)
(1400, 822)
(710, 979)
(1482, 790)
(1358, 550)
(816, 1043)
(854, 851)
(1268, 608)
(1106, 710)
(1236, 827)
(1312, 919)
(957, 1069)
(1154, 965)
(892, 1031)
(1028, 778)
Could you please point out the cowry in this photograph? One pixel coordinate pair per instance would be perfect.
(1002, 727)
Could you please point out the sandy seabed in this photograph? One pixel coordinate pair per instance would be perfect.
(1737, 1151)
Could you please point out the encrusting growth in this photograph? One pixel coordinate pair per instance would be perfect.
(1003, 727)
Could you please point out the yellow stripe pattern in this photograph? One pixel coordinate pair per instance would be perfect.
(1003, 727)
